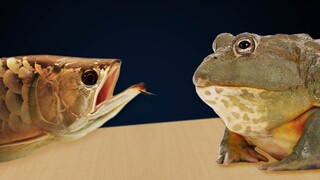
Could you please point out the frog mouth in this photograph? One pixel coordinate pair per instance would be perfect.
(234, 87)
(203, 82)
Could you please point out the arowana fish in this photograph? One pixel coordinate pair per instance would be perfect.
(48, 98)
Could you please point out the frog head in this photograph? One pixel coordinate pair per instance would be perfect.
(261, 80)
(250, 60)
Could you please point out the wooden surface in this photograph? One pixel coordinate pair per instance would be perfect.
(177, 150)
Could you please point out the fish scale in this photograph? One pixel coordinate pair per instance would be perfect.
(15, 80)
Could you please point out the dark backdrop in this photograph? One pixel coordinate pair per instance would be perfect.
(160, 43)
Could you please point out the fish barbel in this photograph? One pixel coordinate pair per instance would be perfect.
(46, 98)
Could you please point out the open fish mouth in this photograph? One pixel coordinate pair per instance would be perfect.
(109, 83)
(106, 104)
(105, 96)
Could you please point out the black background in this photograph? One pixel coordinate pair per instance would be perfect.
(161, 43)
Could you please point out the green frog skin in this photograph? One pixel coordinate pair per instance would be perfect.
(266, 89)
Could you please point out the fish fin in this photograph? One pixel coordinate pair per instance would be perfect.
(22, 148)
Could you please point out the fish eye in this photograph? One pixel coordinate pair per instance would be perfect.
(89, 77)
(244, 46)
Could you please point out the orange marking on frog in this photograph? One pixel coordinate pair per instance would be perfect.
(287, 135)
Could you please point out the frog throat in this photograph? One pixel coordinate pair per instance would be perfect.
(254, 112)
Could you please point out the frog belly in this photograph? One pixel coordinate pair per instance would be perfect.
(280, 141)
(287, 135)
(268, 145)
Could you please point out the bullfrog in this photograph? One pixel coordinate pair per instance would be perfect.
(266, 89)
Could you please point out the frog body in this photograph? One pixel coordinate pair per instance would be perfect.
(266, 89)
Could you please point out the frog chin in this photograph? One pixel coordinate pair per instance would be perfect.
(212, 94)
(239, 107)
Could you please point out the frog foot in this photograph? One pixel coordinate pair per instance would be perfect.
(234, 148)
(239, 154)
(306, 153)
(293, 162)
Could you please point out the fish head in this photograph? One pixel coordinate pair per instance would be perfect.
(74, 96)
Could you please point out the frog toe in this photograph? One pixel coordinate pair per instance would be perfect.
(277, 166)
(220, 159)
(234, 148)
(228, 159)
(248, 155)
(289, 165)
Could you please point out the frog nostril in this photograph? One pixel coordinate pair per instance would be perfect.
(210, 58)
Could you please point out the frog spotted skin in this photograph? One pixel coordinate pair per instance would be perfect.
(267, 91)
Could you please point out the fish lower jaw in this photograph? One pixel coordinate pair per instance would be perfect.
(138, 88)
(105, 112)
(90, 126)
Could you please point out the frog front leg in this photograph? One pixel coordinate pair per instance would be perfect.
(306, 153)
(234, 148)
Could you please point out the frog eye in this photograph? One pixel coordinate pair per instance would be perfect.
(244, 46)
(89, 77)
